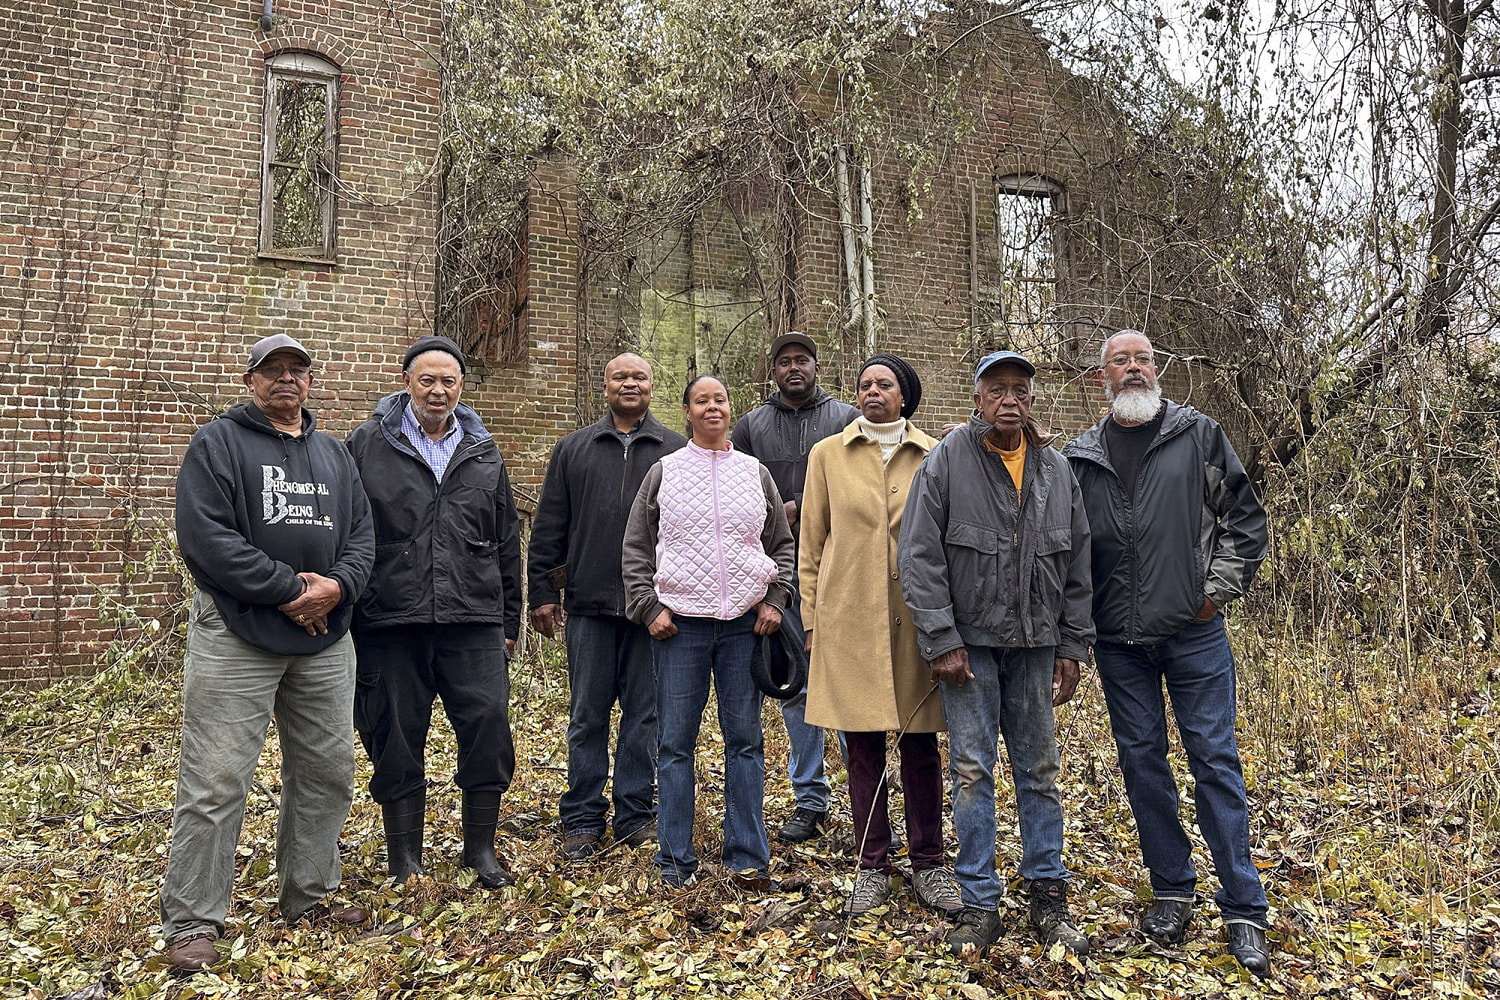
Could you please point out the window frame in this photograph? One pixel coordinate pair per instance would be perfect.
(306, 67)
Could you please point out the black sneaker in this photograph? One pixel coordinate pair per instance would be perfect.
(804, 825)
(1049, 916)
(974, 928)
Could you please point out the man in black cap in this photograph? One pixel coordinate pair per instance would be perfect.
(780, 432)
(994, 564)
(274, 526)
(443, 608)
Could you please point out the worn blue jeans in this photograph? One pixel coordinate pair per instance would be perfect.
(1010, 695)
(1198, 668)
(805, 744)
(231, 690)
(609, 660)
(704, 649)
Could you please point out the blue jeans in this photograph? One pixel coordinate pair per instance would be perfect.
(1010, 695)
(1198, 668)
(805, 744)
(609, 660)
(230, 692)
(705, 648)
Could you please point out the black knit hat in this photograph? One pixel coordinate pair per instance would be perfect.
(906, 378)
(433, 343)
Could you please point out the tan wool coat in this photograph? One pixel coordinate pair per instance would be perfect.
(865, 673)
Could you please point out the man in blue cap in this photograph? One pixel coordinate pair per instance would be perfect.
(994, 564)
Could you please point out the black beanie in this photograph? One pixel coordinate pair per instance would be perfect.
(906, 378)
(433, 343)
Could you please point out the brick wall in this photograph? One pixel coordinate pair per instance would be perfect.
(130, 285)
(712, 283)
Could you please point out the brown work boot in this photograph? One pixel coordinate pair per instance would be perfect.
(194, 952)
(333, 913)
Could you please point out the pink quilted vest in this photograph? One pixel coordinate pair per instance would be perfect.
(709, 560)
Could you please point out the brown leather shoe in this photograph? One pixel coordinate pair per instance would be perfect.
(194, 952)
(578, 846)
(323, 913)
(641, 835)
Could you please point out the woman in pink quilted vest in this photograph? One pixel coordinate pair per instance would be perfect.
(707, 563)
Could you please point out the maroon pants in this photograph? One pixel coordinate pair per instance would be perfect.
(922, 785)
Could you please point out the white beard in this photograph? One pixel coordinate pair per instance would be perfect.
(1135, 406)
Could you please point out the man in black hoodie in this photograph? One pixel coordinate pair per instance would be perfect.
(780, 432)
(273, 523)
(443, 608)
(576, 587)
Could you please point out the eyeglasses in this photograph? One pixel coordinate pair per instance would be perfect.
(273, 373)
(1145, 359)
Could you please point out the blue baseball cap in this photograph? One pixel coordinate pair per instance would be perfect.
(1003, 357)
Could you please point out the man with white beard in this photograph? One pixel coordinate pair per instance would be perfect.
(1177, 533)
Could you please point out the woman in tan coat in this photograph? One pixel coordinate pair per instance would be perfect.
(865, 676)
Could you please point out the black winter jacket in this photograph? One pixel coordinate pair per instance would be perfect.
(445, 554)
(1195, 528)
(573, 557)
(781, 437)
(981, 566)
(255, 507)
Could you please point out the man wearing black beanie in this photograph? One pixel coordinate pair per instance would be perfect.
(443, 608)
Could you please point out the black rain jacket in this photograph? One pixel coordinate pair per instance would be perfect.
(1194, 529)
(445, 553)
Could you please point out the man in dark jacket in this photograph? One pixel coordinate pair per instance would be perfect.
(443, 608)
(273, 524)
(573, 568)
(1178, 533)
(780, 432)
(993, 558)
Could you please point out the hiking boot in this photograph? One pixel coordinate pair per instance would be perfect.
(804, 825)
(937, 890)
(578, 846)
(194, 952)
(641, 836)
(1166, 920)
(871, 888)
(1247, 943)
(974, 929)
(1049, 916)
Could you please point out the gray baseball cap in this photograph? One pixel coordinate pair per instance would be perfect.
(1004, 357)
(276, 342)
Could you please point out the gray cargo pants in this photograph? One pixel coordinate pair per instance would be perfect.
(231, 691)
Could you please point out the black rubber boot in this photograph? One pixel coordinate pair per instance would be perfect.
(481, 812)
(403, 820)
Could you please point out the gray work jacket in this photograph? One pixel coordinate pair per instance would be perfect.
(981, 566)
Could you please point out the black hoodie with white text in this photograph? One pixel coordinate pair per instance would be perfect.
(255, 507)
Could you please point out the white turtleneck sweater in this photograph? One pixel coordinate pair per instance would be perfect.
(888, 436)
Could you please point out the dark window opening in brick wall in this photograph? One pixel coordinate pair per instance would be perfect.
(1019, 293)
(299, 169)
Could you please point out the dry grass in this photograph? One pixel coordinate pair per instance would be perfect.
(1375, 817)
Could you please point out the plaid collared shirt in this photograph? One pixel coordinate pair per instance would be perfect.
(437, 453)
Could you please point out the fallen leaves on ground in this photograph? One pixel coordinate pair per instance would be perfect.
(1375, 823)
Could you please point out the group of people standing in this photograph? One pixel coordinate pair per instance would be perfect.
(951, 584)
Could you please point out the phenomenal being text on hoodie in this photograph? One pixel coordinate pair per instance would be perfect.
(255, 507)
